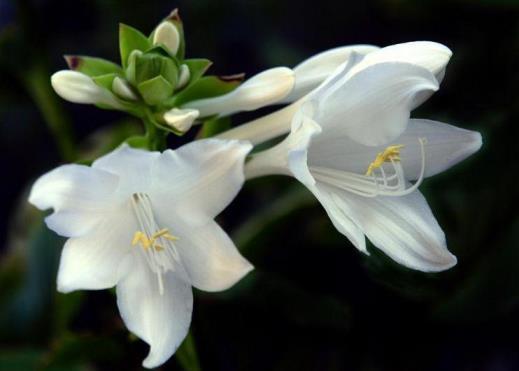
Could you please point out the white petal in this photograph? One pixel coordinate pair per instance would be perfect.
(181, 119)
(339, 214)
(93, 261)
(430, 55)
(263, 89)
(208, 254)
(403, 227)
(76, 87)
(160, 320)
(373, 106)
(133, 166)
(446, 145)
(313, 71)
(77, 193)
(198, 180)
(167, 35)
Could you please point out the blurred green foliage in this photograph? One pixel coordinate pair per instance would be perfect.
(313, 302)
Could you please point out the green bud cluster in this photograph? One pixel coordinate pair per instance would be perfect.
(154, 76)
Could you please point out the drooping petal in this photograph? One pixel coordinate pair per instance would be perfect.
(77, 194)
(403, 227)
(313, 71)
(198, 180)
(92, 262)
(160, 320)
(373, 106)
(208, 255)
(445, 146)
(427, 54)
(132, 165)
(263, 89)
(339, 214)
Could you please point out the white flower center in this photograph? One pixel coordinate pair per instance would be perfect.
(384, 176)
(157, 244)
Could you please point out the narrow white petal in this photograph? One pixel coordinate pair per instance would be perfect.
(427, 54)
(76, 87)
(403, 227)
(199, 179)
(167, 34)
(312, 72)
(133, 166)
(208, 254)
(181, 119)
(77, 193)
(445, 146)
(92, 262)
(160, 320)
(263, 89)
(373, 106)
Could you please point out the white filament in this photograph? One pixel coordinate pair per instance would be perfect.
(385, 183)
(159, 261)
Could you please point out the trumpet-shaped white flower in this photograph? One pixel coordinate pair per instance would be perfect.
(354, 146)
(143, 222)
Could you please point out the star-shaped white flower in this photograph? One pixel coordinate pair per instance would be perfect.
(144, 222)
(354, 146)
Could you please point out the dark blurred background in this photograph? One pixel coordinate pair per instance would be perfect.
(313, 302)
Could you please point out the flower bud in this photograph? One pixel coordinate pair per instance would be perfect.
(123, 89)
(184, 76)
(181, 119)
(77, 87)
(167, 34)
(263, 89)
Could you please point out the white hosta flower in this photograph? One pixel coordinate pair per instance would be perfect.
(263, 89)
(144, 222)
(76, 87)
(352, 143)
(366, 190)
(181, 119)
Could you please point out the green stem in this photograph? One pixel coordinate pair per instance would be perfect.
(186, 354)
(36, 81)
(156, 138)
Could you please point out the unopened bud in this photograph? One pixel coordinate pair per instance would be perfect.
(123, 89)
(181, 119)
(77, 87)
(184, 76)
(167, 34)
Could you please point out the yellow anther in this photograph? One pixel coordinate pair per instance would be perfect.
(145, 242)
(391, 153)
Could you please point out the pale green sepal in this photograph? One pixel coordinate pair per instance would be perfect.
(155, 90)
(205, 87)
(197, 68)
(91, 66)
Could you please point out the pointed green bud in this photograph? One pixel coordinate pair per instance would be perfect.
(151, 65)
(166, 34)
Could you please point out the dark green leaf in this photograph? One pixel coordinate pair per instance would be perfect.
(205, 87)
(131, 39)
